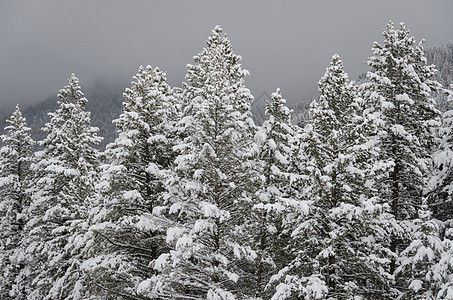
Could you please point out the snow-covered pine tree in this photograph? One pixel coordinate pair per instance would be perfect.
(399, 97)
(334, 248)
(65, 174)
(209, 190)
(276, 194)
(15, 179)
(128, 233)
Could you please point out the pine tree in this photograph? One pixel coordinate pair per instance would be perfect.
(276, 192)
(126, 225)
(15, 175)
(65, 173)
(399, 96)
(208, 192)
(334, 243)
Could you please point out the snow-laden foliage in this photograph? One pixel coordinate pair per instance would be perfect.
(208, 192)
(64, 172)
(125, 223)
(425, 267)
(441, 181)
(15, 180)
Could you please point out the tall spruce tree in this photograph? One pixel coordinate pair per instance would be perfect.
(334, 248)
(126, 222)
(277, 194)
(15, 180)
(399, 96)
(208, 192)
(65, 173)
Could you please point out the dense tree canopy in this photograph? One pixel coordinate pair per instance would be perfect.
(194, 201)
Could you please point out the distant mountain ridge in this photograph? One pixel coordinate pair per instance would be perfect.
(105, 101)
(104, 104)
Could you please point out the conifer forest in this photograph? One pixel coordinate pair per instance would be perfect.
(193, 200)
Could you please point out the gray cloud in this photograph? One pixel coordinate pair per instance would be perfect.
(286, 44)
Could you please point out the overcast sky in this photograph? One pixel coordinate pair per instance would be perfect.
(286, 44)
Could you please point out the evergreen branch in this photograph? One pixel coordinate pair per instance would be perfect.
(123, 245)
(114, 292)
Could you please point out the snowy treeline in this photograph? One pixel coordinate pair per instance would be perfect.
(442, 58)
(194, 201)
